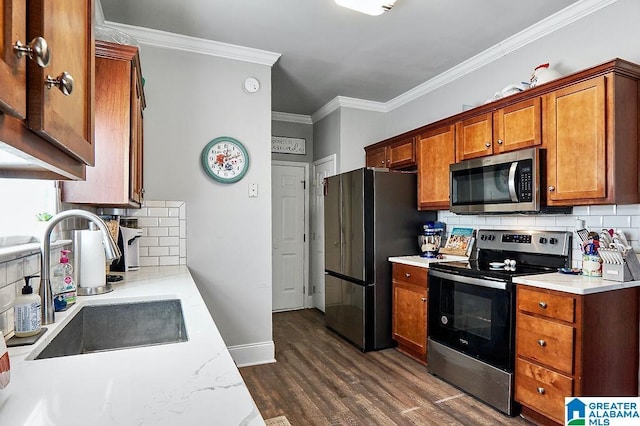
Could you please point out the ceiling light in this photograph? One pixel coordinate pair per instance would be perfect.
(370, 7)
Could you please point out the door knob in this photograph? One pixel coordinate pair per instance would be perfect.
(64, 82)
(38, 50)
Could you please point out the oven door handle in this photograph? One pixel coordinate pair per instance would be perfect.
(512, 181)
(483, 282)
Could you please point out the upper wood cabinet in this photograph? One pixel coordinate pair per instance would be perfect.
(48, 103)
(435, 152)
(513, 127)
(116, 179)
(397, 153)
(591, 136)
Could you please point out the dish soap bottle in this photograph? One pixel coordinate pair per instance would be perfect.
(64, 288)
(28, 319)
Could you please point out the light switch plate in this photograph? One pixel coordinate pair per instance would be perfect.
(253, 190)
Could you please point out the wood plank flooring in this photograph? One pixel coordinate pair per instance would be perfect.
(321, 379)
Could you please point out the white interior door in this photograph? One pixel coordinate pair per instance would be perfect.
(321, 169)
(288, 234)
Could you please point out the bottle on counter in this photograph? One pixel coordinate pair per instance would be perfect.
(27, 315)
(62, 284)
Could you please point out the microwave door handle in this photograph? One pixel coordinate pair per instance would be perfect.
(512, 182)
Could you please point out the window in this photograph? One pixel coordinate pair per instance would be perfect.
(22, 200)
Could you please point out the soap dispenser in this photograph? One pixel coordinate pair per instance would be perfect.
(27, 316)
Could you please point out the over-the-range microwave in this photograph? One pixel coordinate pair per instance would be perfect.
(503, 183)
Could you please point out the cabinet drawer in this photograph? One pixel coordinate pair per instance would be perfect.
(548, 342)
(411, 274)
(541, 389)
(549, 305)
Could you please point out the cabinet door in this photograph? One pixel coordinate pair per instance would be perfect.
(518, 126)
(410, 317)
(576, 145)
(377, 157)
(66, 121)
(401, 154)
(13, 90)
(435, 152)
(474, 137)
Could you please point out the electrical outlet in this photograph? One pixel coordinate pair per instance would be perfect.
(253, 190)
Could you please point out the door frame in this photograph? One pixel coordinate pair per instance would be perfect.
(307, 299)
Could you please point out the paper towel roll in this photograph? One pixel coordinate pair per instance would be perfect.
(89, 259)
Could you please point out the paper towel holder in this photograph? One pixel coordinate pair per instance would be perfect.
(89, 263)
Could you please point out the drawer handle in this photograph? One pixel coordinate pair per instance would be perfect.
(543, 305)
(424, 299)
(542, 343)
(541, 391)
(407, 274)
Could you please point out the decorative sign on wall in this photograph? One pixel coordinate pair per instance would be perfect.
(287, 145)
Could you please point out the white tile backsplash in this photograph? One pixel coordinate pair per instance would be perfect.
(625, 218)
(163, 224)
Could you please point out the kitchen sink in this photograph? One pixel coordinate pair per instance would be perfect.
(97, 328)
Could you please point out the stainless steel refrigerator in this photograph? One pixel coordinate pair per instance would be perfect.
(369, 215)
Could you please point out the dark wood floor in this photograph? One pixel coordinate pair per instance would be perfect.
(321, 379)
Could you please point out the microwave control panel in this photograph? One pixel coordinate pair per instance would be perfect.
(526, 182)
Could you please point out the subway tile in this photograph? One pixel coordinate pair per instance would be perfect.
(169, 260)
(139, 212)
(149, 261)
(15, 270)
(628, 209)
(509, 221)
(174, 231)
(3, 274)
(581, 211)
(603, 210)
(183, 211)
(174, 212)
(152, 204)
(183, 260)
(168, 241)
(183, 248)
(158, 251)
(183, 228)
(158, 211)
(147, 222)
(174, 251)
(6, 322)
(158, 232)
(616, 221)
(144, 251)
(176, 204)
(568, 221)
(593, 222)
(168, 221)
(148, 241)
(7, 297)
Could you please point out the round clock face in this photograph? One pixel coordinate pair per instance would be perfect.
(225, 159)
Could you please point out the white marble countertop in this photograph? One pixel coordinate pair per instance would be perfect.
(577, 284)
(424, 262)
(194, 382)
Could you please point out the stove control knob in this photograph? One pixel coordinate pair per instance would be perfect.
(542, 240)
(492, 237)
(483, 237)
(553, 241)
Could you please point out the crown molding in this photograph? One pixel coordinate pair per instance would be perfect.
(291, 118)
(157, 38)
(536, 31)
(346, 102)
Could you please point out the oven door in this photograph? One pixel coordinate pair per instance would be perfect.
(474, 316)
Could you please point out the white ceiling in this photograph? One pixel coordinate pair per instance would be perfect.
(330, 51)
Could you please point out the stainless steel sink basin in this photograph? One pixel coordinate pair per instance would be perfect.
(97, 328)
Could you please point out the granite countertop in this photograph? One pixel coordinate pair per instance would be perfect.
(424, 262)
(193, 382)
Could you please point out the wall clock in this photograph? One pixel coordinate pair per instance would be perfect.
(225, 159)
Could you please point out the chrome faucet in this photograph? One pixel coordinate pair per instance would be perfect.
(46, 294)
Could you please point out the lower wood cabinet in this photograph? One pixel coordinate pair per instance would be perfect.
(409, 322)
(573, 345)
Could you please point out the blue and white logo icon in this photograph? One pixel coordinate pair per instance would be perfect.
(602, 411)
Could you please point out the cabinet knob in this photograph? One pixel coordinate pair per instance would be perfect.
(551, 188)
(543, 305)
(38, 50)
(541, 391)
(542, 343)
(424, 299)
(487, 144)
(382, 162)
(500, 141)
(64, 82)
(407, 274)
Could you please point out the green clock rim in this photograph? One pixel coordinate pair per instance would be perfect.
(205, 163)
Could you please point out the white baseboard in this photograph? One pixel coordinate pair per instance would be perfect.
(253, 354)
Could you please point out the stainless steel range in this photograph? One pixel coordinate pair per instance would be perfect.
(471, 319)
